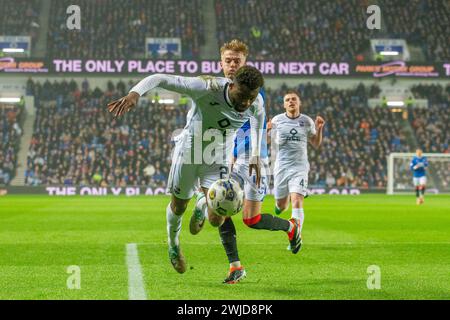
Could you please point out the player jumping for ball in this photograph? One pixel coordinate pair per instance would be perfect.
(217, 104)
(291, 132)
(418, 165)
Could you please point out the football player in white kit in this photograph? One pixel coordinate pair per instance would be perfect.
(233, 55)
(217, 104)
(291, 132)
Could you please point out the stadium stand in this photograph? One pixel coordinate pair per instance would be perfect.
(117, 29)
(77, 142)
(287, 30)
(331, 30)
(10, 132)
(20, 18)
(431, 125)
(424, 23)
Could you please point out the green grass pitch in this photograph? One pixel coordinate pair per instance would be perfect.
(40, 237)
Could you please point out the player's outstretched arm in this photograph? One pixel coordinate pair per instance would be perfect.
(183, 85)
(316, 140)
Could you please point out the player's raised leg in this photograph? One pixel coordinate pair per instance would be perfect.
(254, 219)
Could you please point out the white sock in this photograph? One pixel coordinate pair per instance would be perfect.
(173, 227)
(299, 214)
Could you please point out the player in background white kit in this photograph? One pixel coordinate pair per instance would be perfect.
(217, 104)
(291, 132)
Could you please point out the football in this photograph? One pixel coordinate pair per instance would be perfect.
(225, 197)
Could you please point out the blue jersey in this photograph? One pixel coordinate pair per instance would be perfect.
(422, 164)
(242, 142)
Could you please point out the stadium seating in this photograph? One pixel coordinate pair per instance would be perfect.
(292, 30)
(117, 29)
(10, 132)
(20, 18)
(356, 140)
(431, 125)
(424, 23)
(331, 30)
(77, 142)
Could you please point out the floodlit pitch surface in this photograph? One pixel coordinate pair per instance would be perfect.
(42, 237)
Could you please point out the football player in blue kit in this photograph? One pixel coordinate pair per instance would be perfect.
(418, 165)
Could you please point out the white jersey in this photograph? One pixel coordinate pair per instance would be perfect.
(211, 109)
(291, 137)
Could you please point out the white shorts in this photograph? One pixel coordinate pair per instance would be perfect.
(420, 181)
(251, 190)
(185, 178)
(289, 181)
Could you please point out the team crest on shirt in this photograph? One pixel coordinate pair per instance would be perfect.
(302, 123)
(294, 136)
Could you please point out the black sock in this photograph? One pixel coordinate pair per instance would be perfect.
(417, 192)
(422, 191)
(227, 233)
(269, 222)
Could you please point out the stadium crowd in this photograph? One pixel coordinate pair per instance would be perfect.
(10, 133)
(20, 18)
(423, 23)
(274, 29)
(117, 29)
(431, 125)
(292, 30)
(77, 142)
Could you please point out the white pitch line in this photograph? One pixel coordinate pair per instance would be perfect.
(136, 288)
